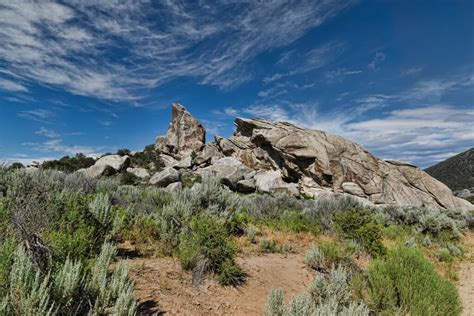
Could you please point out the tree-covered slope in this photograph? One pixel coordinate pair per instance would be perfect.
(456, 172)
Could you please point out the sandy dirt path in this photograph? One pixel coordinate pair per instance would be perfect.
(162, 287)
(466, 276)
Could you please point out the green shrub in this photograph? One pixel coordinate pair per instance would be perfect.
(173, 218)
(435, 222)
(238, 223)
(207, 247)
(404, 281)
(295, 221)
(69, 164)
(268, 246)
(7, 249)
(72, 289)
(149, 158)
(230, 273)
(326, 296)
(251, 232)
(79, 243)
(16, 165)
(123, 152)
(359, 225)
(128, 178)
(444, 255)
(315, 258)
(276, 303)
(143, 231)
(188, 179)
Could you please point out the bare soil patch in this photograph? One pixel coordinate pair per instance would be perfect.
(466, 276)
(163, 287)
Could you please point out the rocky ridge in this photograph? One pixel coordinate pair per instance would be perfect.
(271, 157)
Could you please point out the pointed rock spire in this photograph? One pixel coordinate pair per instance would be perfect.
(185, 134)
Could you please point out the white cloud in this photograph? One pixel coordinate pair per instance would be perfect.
(56, 145)
(120, 48)
(47, 133)
(422, 135)
(411, 71)
(39, 115)
(303, 62)
(230, 111)
(340, 73)
(24, 161)
(378, 59)
(12, 86)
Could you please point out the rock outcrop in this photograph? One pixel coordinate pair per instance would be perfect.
(139, 172)
(165, 177)
(97, 171)
(119, 163)
(271, 157)
(106, 166)
(229, 170)
(185, 134)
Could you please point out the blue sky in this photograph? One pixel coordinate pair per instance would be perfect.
(395, 76)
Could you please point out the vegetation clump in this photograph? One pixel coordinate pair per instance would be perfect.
(359, 225)
(58, 231)
(406, 282)
(208, 248)
(69, 164)
(327, 295)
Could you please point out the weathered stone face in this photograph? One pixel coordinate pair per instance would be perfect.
(229, 170)
(277, 156)
(330, 161)
(119, 163)
(139, 172)
(165, 177)
(185, 134)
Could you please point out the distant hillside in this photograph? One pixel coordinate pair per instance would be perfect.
(456, 172)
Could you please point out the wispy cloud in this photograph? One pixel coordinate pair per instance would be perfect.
(39, 115)
(47, 133)
(23, 160)
(302, 62)
(411, 71)
(424, 134)
(43, 42)
(57, 145)
(378, 59)
(340, 73)
(12, 86)
(422, 130)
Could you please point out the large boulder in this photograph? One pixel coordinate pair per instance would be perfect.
(97, 171)
(208, 152)
(246, 186)
(139, 172)
(119, 163)
(185, 134)
(185, 162)
(352, 189)
(228, 169)
(272, 182)
(333, 162)
(165, 177)
(174, 187)
(295, 159)
(463, 194)
(167, 160)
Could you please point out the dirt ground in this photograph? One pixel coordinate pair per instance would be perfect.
(466, 277)
(162, 287)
